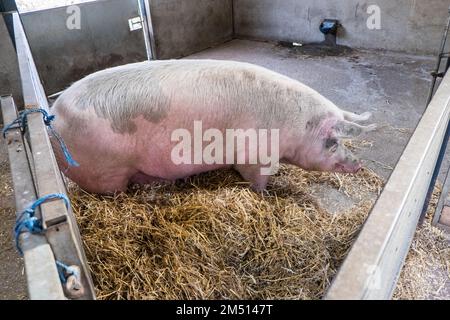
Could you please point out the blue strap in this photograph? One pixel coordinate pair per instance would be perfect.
(27, 220)
(65, 272)
(21, 123)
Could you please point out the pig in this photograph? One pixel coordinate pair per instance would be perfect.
(118, 123)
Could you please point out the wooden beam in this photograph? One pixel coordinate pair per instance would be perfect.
(59, 222)
(40, 265)
(373, 265)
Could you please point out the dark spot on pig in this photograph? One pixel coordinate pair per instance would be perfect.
(330, 143)
(314, 123)
(124, 128)
(154, 110)
(130, 94)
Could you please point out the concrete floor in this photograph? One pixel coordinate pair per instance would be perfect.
(391, 85)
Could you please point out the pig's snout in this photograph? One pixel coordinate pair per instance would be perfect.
(350, 165)
(355, 166)
(359, 167)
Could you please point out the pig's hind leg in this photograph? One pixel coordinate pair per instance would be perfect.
(252, 174)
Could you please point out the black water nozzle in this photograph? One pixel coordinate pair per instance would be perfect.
(329, 28)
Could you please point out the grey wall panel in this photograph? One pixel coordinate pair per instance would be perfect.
(9, 68)
(406, 25)
(63, 56)
(185, 26)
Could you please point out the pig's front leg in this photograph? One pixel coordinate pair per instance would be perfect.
(252, 174)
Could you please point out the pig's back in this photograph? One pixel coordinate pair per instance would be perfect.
(155, 89)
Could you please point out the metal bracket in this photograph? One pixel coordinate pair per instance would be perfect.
(135, 23)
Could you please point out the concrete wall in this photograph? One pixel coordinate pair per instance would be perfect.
(406, 25)
(9, 69)
(182, 27)
(104, 40)
(64, 56)
(185, 26)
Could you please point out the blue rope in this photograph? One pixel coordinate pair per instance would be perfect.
(21, 122)
(70, 160)
(65, 272)
(27, 221)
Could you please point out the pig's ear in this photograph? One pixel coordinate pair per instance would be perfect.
(346, 129)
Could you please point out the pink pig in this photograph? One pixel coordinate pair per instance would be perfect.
(121, 124)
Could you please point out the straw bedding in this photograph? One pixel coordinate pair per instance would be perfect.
(212, 238)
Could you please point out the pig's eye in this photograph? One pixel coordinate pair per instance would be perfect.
(332, 145)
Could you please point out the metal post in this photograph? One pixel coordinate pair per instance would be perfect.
(443, 149)
(435, 73)
(150, 44)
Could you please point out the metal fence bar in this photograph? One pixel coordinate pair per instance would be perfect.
(60, 226)
(148, 25)
(40, 265)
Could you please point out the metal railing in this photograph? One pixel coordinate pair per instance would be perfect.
(373, 265)
(36, 174)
